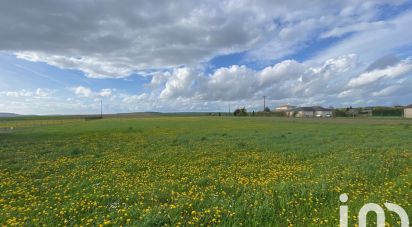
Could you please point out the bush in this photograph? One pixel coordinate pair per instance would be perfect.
(387, 111)
(240, 112)
(340, 113)
(271, 114)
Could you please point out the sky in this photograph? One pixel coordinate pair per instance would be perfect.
(63, 57)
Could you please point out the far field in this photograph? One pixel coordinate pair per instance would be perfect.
(177, 171)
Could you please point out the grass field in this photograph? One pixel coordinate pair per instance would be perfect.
(179, 171)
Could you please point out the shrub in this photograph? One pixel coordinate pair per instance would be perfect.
(240, 112)
(387, 111)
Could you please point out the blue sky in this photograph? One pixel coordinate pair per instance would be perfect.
(59, 57)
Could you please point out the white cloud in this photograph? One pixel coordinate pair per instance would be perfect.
(12, 94)
(82, 91)
(304, 28)
(179, 83)
(235, 82)
(158, 79)
(131, 99)
(346, 93)
(390, 72)
(189, 89)
(39, 92)
(116, 40)
(373, 42)
(42, 92)
(92, 67)
(363, 26)
(172, 43)
(387, 91)
(106, 92)
(280, 81)
(126, 38)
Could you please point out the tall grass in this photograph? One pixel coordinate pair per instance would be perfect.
(203, 170)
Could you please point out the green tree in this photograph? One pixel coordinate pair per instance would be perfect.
(240, 112)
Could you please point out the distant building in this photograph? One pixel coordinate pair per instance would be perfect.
(353, 112)
(284, 108)
(303, 112)
(407, 111)
(322, 112)
(314, 111)
(366, 111)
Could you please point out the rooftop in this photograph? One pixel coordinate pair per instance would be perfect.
(311, 108)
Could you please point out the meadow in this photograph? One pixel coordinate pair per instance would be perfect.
(202, 171)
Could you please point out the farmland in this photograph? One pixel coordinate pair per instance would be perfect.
(178, 171)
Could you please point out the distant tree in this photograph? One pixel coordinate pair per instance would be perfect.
(340, 113)
(387, 111)
(267, 109)
(240, 112)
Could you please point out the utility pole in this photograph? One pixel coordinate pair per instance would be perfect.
(229, 109)
(264, 103)
(101, 108)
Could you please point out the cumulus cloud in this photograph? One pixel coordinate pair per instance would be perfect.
(179, 83)
(235, 82)
(43, 92)
(298, 52)
(108, 39)
(39, 92)
(12, 94)
(82, 91)
(158, 79)
(131, 99)
(288, 78)
(106, 92)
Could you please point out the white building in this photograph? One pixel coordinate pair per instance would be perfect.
(407, 111)
(314, 111)
(322, 112)
(284, 108)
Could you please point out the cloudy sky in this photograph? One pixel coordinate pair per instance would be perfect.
(63, 57)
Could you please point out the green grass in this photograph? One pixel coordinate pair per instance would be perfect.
(203, 170)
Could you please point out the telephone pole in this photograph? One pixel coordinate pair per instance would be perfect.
(101, 108)
(229, 109)
(264, 103)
